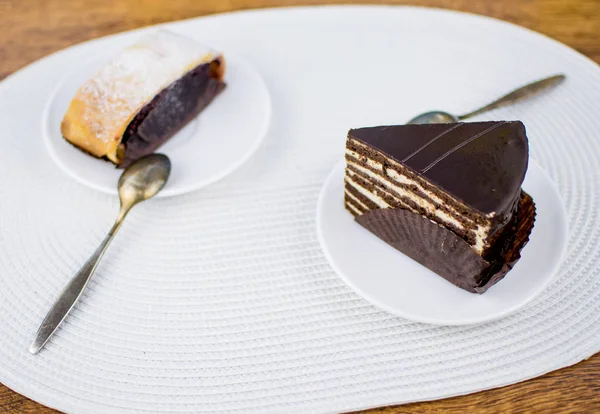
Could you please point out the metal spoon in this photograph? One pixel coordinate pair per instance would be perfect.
(441, 117)
(140, 181)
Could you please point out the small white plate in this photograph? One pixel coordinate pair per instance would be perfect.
(210, 147)
(399, 285)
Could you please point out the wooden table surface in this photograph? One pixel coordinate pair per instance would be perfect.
(30, 29)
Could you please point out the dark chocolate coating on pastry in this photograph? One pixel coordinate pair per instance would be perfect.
(448, 255)
(170, 111)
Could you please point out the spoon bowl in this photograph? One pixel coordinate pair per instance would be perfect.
(434, 117)
(144, 178)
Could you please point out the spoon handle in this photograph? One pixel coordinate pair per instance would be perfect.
(519, 94)
(72, 292)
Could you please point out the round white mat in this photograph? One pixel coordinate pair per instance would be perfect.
(221, 300)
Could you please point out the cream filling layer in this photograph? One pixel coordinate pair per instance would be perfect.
(402, 179)
(379, 201)
(393, 162)
(353, 208)
(393, 174)
(482, 230)
(444, 218)
(430, 208)
(356, 200)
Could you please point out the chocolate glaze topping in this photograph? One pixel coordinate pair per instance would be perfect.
(483, 164)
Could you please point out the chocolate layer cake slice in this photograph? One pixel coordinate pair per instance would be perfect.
(447, 195)
(143, 96)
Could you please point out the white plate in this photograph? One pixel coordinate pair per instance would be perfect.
(213, 145)
(398, 284)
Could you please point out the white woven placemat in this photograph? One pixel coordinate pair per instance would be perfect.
(221, 300)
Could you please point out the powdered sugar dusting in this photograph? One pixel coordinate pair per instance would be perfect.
(132, 78)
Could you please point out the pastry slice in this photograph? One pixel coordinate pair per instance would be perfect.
(143, 96)
(447, 195)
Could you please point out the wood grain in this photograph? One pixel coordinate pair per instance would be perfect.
(31, 29)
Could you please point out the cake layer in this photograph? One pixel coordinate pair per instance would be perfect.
(356, 198)
(480, 164)
(380, 197)
(402, 186)
(420, 197)
(399, 184)
(389, 167)
(350, 206)
(353, 205)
